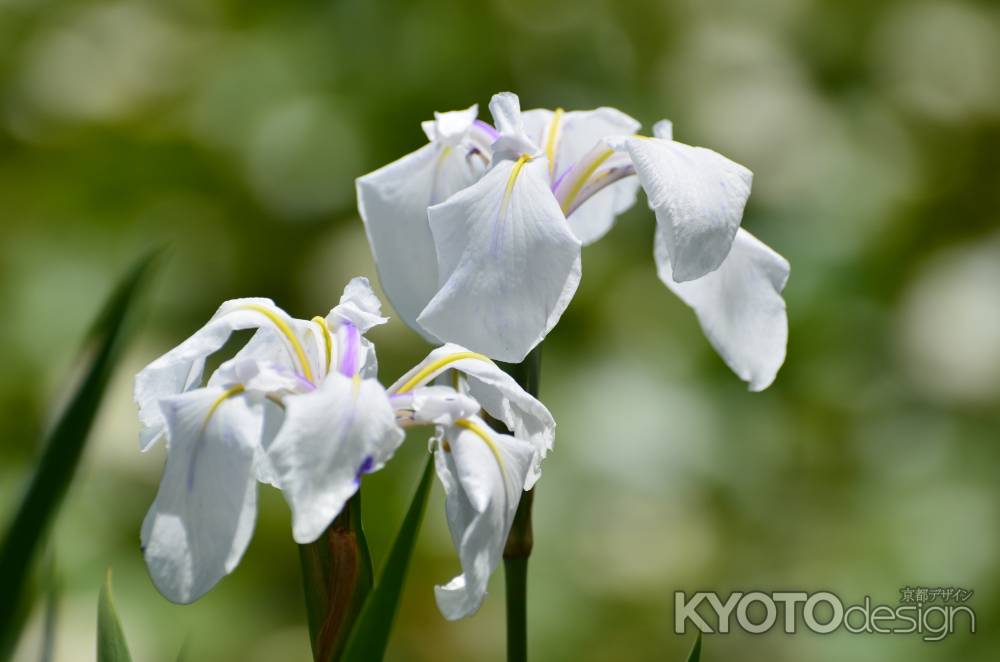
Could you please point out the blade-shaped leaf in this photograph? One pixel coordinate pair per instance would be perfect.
(63, 447)
(695, 654)
(18, 612)
(111, 646)
(337, 577)
(51, 611)
(370, 636)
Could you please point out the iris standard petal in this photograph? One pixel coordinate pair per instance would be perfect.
(512, 141)
(181, 369)
(508, 263)
(450, 127)
(698, 196)
(392, 202)
(359, 310)
(329, 437)
(203, 516)
(482, 472)
(739, 306)
(358, 305)
(496, 391)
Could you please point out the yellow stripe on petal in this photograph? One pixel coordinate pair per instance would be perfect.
(228, 393)
(445, 153)
(428, 371)
(286, 331)
(552, 139)
(515, 171)
(582, 178)
(327, 342)
(482, 434)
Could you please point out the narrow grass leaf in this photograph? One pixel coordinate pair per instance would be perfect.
(63, 448)
(51, 611)
(111, 646)
(695, 654)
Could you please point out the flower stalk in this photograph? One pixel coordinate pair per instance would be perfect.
(520, 540)
(337, 577)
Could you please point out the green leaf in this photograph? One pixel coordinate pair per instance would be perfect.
(370, 636)
(18, 613)
(51, 610)
(695, 654)
(337, 577)
(111, 646)
(63, 447)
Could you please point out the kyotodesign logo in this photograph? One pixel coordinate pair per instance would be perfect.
(933, 613)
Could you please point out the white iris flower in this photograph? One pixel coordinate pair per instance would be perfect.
(477, 236)
(299, 407)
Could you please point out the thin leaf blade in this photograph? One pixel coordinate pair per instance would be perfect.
(51, 618)
(370, 637)
(63, 448)
(111, 644)
(695, 654)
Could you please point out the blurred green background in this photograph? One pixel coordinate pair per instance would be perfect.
(233, 132)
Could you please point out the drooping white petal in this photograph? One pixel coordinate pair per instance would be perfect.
(203, 516)
(274, 417)
(181, 368)
(566, 137)
(358, 305)
(265, 384)
(496, 392)
(508, 263)
(698, 196)
(739, 306)
(482, 472)
(393, 201)
(331, 436)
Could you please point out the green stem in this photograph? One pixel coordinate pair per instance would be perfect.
(521, 538)
(516, 576)
(337, 577)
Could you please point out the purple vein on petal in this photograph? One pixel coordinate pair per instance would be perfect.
(349, 361)
(493, 133)
(559, 179)
(366, 466)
